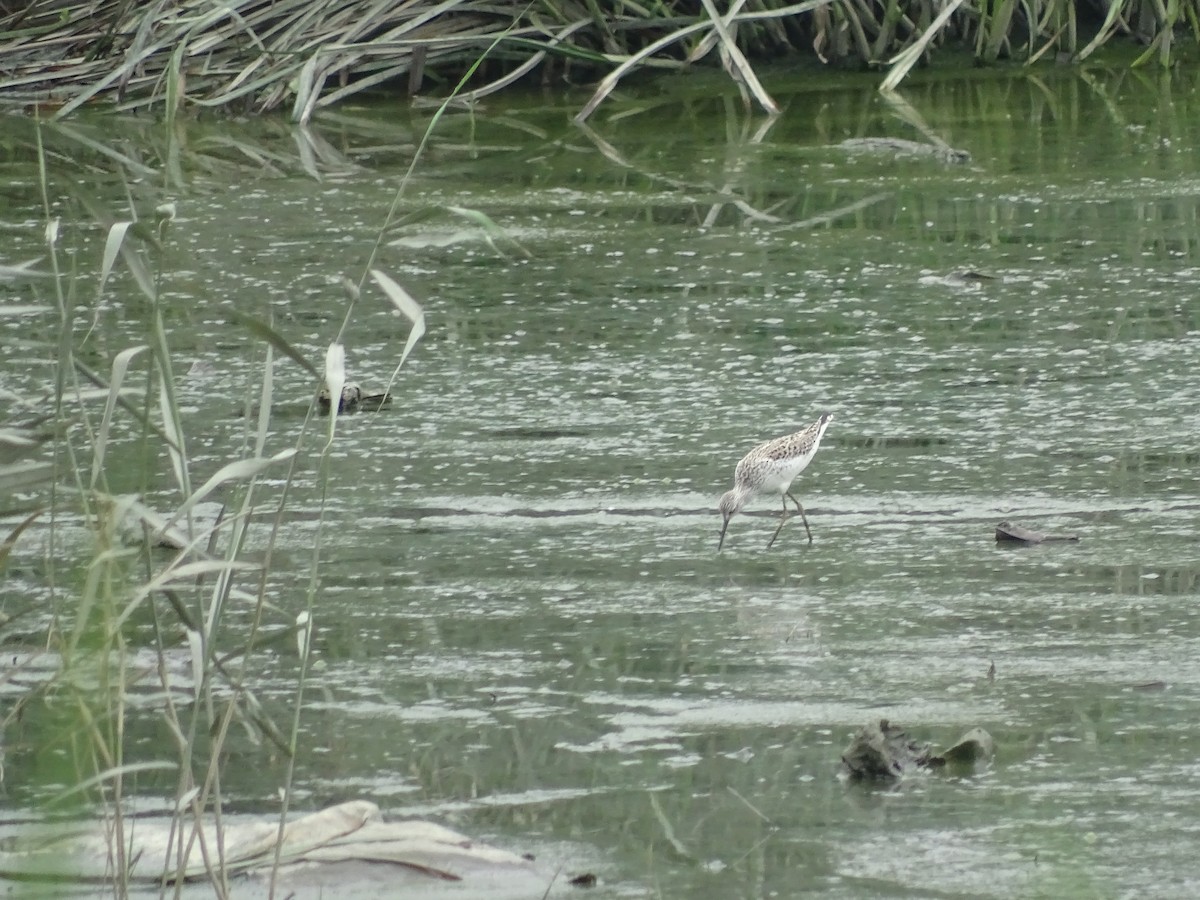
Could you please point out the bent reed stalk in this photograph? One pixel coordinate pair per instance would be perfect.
(108, 593)
(267, 54)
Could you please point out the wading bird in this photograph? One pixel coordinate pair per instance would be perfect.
(771, 468)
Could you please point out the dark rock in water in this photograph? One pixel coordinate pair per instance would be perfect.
(885, 752)
(1007, 531)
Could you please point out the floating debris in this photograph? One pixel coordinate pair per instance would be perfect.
(975, 746)
(1008, 532)
(200, 369)
(1150, 686)
(320, 853)
(883, 752)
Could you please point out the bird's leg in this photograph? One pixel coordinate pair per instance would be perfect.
(783, 518)
(803, 517)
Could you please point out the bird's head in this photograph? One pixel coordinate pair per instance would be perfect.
(731, 503)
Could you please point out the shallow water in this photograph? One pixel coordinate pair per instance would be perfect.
(523, 627)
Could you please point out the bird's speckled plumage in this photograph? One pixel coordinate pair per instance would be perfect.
(770, 468)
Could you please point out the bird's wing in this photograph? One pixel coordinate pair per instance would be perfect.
(786, 447)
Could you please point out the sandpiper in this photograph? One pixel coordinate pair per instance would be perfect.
(770, 468)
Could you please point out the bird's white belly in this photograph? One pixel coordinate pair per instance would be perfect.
(777, 477)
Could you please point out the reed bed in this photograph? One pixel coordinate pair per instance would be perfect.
(143, 603)
(59, 450)
(267, 54)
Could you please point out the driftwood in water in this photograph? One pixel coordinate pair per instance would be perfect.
(1007, 531)
(348, 848)
(885, 752)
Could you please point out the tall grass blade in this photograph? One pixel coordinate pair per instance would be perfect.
(304, 627)
(16, 441)
(185, 800)
(265, 332)
(999, 28)
(137, 413)
(170, 423)
(113, 773)
(903, 61)
(15, 534)
(196, 646)
(135, 167)
(181, 574)
(1105, 31)
(490, 229)
(119, 367)
(409, 307)
(609, 83)
(335, 380)
(265, 399)
(241, 470)
(175, 86)
(112, 249)
(738, 60)
(335, 369)
(88, 597)
(307, 91)
(525, 68)
(13, 271)
(23, 475)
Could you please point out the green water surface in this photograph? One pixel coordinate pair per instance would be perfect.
(523, 627)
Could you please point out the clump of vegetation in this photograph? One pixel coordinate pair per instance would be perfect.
(123, 595)
(266, 54)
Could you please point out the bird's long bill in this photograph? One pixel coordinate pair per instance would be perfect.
(724, 528)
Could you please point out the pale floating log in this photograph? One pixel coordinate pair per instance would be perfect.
(348, 847)
(975, 746)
